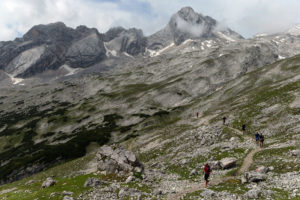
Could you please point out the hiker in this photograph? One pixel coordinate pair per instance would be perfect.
(207, 172)
(197, 114)
(244, 128)
(224, 120)
(261, 140)
(257, 136)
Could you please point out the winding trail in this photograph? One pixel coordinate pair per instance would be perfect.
(248, 160)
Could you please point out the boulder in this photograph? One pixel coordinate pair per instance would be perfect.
(115, 160)
(262, 170)
(48, 182)
(130, 179)
(296, 152)
(255, 177)
(253, 194)
(227, 163)
(93, 182)
(214, 165)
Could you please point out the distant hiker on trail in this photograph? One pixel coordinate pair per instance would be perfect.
(197, 114)
(224, 120)
(257, 136)
(244, 128)
(207, 172)
(261, 140)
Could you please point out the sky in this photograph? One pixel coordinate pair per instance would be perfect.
(247, 17)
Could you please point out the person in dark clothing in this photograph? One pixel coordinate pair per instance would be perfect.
(197, 114)
(257, 136)
(261, 140)
(207, 172)
(244, 128)
(224, 120)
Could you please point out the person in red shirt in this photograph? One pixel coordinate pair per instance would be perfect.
(197, 114)
(207, 172)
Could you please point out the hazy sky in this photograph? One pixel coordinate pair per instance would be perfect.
(247, 17)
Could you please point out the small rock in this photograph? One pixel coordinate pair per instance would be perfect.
(253, 194)
(29, 182)
(271, 168)
(130, 179)
(48, 182)
(184, 161)
(67, 193)
(227, 163)
(296, 152)
(68, 198)
(207, 193)
(262, 169)
(214, 165)
(92, 182)
(193, 172)
(243, 180)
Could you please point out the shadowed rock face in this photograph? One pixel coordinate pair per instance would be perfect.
(131, 41)
(50, 46)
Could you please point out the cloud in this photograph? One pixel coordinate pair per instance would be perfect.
(193, 29)
(247, 17)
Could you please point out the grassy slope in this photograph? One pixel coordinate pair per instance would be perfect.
(244, 102)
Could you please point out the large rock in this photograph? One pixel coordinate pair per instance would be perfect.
(214, 165)
(255, 177)
(48, 182)
(227, 163)
(114, 160)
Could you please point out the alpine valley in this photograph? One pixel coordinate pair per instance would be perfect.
(90, 115)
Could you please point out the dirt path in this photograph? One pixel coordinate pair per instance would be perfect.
(245, 166)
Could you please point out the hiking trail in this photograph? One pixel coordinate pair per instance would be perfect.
(248, 160)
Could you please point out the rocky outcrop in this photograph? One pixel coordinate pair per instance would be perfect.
(47, 47)
(115, 160)
(86, 52)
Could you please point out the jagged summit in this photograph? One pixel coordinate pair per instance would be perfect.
(188, 24)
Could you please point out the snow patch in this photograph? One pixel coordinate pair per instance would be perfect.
(128, 55)
(15, 81)
(261, 35)
(70, 70)
(281, 57)
(109, 52)
(187, 41)
(157, 53)
(226, 37)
